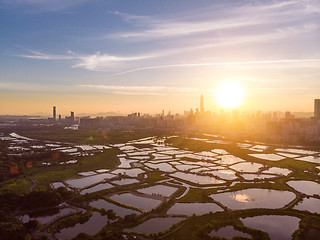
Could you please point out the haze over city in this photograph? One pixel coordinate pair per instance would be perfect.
(149, 56)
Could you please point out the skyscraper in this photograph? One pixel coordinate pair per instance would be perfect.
(201, 104)
(54, 113)
(317, 109)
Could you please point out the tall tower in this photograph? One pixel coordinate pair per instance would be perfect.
(317, 109)
(54, 113)
(201, 104)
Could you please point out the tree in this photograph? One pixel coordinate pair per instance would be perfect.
(38, 199)
(31, 225)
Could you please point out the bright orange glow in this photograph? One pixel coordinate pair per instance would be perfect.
(229, 95)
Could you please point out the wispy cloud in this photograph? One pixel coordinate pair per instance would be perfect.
(43, 56)
(43, 5)
(94, 62)
(184, 40)
(213, 19)
(145, 90)
(249, 63)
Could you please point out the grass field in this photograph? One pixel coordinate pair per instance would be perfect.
(83, 136)
(20, 186)
(44, 175)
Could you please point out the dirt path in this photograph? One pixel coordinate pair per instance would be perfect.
(34, 184)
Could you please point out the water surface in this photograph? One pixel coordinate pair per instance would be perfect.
(278, 227)
(91, 227)
(247, 167)
(312, 159)
(198, 179)
(194, 208)
(120, 211)
(309, 204)
(229, 159)
(270, 156)
(88, 181)
(133, 172)
(254, 198)
(306, 187)
(162, 190)
(165, 167)
(97, 188)
(47, 218)
(279, 171)
(58, 184)
(125, 181)
(136, 201)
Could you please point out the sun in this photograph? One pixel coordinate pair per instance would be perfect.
(230, 95)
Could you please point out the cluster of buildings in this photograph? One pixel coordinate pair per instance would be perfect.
(69, 119)
(262, 126)
(298, 130)
(145, 121)
(268, 126)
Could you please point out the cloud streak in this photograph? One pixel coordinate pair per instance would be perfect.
(199, 34)
(144, 90)
(33, 6)
(203, 20)
(93, 62)
(261, 62)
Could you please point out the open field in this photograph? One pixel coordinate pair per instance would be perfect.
(165, 188)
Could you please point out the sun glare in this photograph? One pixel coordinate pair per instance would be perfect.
(230, 95)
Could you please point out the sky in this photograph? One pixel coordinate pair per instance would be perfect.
(146, 56)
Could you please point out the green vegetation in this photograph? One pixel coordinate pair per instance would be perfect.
(155, 176)
(197, 195)
(40, 199)
(10, 226)
(16, 195)
(198, 227)
(71, 221)
(190, 144)
(19, 186)
(48, 174)
(83, 136)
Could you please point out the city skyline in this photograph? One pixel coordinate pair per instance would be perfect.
(95, 56)
(199, 110)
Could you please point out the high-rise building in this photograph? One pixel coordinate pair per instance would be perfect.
(54, 113)
(274, 115)
(201, 104)
(317, 108)
(72, 116)
(287, 115)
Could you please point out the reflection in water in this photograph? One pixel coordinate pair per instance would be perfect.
(254, 198)
(278, 227)
(136, 201)
(194, 208)
(240, 197)
(162, 190)
(306, 187)
(120, 211)
(91, 227)
(309, 204)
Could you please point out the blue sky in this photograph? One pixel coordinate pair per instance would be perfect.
(146, 56)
